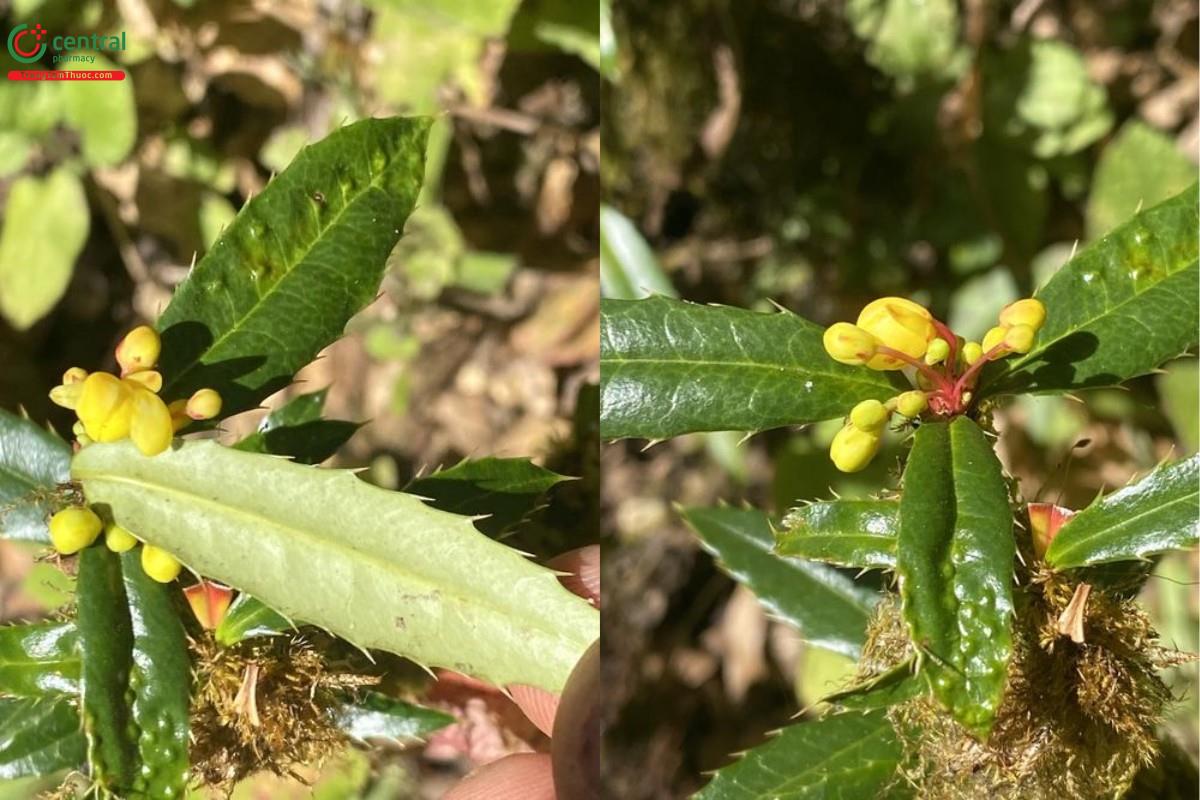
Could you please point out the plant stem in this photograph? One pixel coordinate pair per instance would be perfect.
(939, 380)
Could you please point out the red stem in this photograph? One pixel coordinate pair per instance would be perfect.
(974, 370)
(939, 380)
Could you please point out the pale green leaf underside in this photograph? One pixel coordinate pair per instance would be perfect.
(1122, 307)
(378, 568)
(1157, 514)
(669, 367)
(843, 757)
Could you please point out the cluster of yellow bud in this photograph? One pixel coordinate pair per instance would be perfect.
(77, 527)
(111, 408)
(893, 333)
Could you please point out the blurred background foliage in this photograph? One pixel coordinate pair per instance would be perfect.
(484, 338)
(818, 155)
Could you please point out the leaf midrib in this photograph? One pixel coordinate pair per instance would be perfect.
(1117, 526)
(388, 565)
(371, 186)
(756, 365)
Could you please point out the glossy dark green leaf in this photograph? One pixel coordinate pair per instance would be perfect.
(955, 562)
(668, 367)
(841, 757)
(628, 268)
(828, 608)
(376, 715)
(299, 260)
(159, 679)
(32, 462)
(1123, 306)
(41, 659)
(851, 533)
(39, 737)
(506, 490)
(297, 430)
(897, 685)
(247, 617)
(1154, 515)
(106, 649)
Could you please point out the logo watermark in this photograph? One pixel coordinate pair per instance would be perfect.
(29, 44)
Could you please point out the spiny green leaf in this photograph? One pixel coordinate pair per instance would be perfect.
(378, 568)
(1123, 306)
(897, 685)
(106, 649)
(300, 259)
(39, 737)
(248, 616)
(507, 490)
(955, 562)
(840, 757)
(32, 462)
(376, 715)
(852, 533)
(31, 236)
(1151, 516)
(670, 367)
(297, 430)
(827, 607)
(159, 679)
(36, 660)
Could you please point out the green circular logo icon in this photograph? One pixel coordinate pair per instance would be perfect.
(25, 44)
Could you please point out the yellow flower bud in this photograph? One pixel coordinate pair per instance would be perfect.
(972, 352)
(911, 404)
(848, 343)
(179, 417)
(853, 449)
(105, 407)
(993, 337)
(1024, 312)
(937, 351)
(74, 375)
(73, 529)
(151, 427)
(1019, 338)
(204, 404)
(66, 395)
(147, 378)
(139, 350)
(118, 539)
(899, 324)
(159, 564)
(869, 415)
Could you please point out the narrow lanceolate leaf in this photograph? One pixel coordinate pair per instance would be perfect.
(36, 660)
(32, 462)
(159, 681)
(506, 490)
(955, 562)
(39, 737)
(299, 260)
(1154, 515)
(1123, 306)
(628, 268)
(841, 757)
(297, 430)
(247, 617)
(827, 607)
(668, 367)
(377, 716)
(852, 533)
(378, 568)
(106, 649)
(897, 685)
